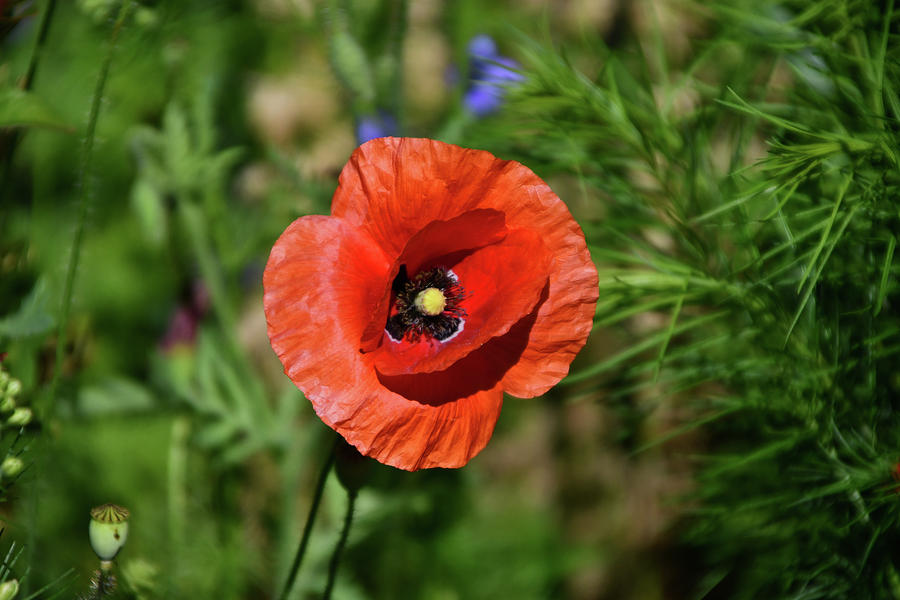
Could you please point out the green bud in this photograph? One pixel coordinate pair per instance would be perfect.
(108, 530)
(20, 417)
(353, 469)
(351, 66)
(7, 404)
(13, 387)
(11, 467)
(9, 589)
(4, 379)
(146, 17)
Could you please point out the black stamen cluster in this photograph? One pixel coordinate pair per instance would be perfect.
(412, 324)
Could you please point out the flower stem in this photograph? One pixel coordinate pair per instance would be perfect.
(339, 549)
(84, 174)
(28, 81)
(48, 402)
(104, 582)
(310, 518)
(43, 29)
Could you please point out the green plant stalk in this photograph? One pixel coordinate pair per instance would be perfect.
(399, 11)
(203, 246)
(177, 497)
(43, 29)
(104, 584)
(28, 81)
(46, 404)
(339, 548)
(310, 519)
(87, 159)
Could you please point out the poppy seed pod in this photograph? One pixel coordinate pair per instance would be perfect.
(9, 589)
(108, 530)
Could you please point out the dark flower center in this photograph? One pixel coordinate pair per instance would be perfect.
(428, 304)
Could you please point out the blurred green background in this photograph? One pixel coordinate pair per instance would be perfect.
(730, 430)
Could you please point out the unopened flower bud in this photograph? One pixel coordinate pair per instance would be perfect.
(13, 387)
(7, 404)
(11, 467)
(20, 417)
(9, 589)
(4, 379)
(108, 530)
(353, 469)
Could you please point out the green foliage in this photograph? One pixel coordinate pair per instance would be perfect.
(19, 108)
(733, 164)
(33, 316)
(771, 280)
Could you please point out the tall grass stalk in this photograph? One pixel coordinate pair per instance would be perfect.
(47, 406)
(84, 198)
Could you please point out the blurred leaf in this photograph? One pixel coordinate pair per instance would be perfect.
(149, 205)
(19, 108)
(32, 318)
(115, 396)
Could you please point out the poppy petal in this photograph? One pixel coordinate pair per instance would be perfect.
(419, 434)
(503, 282)
(392, 187)
(321, 281)
(564, 320)
(469, 231)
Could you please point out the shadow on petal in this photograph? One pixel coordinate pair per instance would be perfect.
(476, 372)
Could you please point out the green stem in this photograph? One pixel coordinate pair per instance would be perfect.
(176, 500)
(87, 156)
(103, 585)
(47, 403)
(43, 29)
(28, 82)
(399, 11)
(310, 518)
(339, 549)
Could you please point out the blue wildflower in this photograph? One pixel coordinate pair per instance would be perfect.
(490, 74)
(369, 127)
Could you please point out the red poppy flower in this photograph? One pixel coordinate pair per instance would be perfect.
(443, 278)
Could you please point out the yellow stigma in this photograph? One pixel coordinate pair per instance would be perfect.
(430, 301)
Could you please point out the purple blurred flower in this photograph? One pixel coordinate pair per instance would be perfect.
(182, 328)
(490, 74)
(370, 127)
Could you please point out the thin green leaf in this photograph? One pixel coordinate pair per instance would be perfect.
(885, 274)
(19, 108)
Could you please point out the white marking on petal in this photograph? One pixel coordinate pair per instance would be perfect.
(462, 324)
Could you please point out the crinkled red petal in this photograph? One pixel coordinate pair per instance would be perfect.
(502, 283)
(323, 279)
(393, 187)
